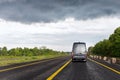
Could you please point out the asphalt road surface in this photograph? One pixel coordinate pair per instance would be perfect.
(44, 69)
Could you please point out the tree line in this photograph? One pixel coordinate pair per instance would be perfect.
(28, 51)
(108, 47)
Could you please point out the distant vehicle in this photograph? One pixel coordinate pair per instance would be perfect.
(79, 52)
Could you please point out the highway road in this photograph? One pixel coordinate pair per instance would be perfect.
(61, 69)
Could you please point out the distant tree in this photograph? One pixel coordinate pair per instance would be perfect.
(110, 47)
(115, 40)
(12, 52)
(102, 48)
(28, 51)
(90, 50)
(18, 52)
(0, 51)
(35, 51)
(4, 51)
(106, 47)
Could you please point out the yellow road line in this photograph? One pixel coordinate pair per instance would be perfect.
(58, 71)
(3, 70)
(118, 72)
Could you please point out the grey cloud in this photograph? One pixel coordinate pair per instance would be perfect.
(30, 11)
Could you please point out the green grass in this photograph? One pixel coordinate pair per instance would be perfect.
(8, 60)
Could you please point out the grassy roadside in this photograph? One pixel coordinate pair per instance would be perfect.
(8, 60)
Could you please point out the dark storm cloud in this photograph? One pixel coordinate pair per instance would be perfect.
(30, 11)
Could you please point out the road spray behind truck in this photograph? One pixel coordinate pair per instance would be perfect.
(79, 52)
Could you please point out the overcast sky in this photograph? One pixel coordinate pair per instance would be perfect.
(56, 24)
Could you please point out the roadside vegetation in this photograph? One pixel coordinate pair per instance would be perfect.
(19, 55)
(108, 47)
